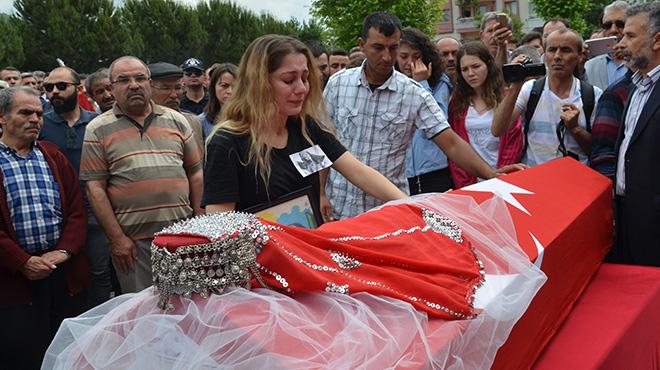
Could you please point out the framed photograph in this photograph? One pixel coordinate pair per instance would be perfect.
(293, 209)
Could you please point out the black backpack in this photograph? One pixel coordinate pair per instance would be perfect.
(587, 95)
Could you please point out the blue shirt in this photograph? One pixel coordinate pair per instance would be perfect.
(207, 126)
(615, 71)
(69, 139)
(33, 197)
(424, 155)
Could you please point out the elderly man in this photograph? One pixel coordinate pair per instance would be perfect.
(143, 171)
(557, 108)
(65, 127)
(606, 69)
(376, 110)
(42, 232)
(496, 36)
(167, 90)
(98, 88)
(636, 183)
(448, 47)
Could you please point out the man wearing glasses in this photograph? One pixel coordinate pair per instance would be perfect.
(143, 171)
(606, 69)
(167, 90)
(64, 126)
(196, 97)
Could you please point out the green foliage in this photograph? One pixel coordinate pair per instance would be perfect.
(11, 43)
(343, 18)
(83, 33)
(572, 10)
(88, 34)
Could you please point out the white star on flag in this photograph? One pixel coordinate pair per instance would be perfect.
(502, 189)
(539, 249)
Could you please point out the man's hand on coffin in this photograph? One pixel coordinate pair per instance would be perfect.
(510, 168)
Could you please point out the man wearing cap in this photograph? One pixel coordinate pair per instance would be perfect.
(167, 90)
(196, 97)
(143, 171)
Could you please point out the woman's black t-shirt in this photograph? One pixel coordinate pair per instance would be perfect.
(228, 177)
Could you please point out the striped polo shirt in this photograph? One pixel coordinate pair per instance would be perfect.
(145, 167)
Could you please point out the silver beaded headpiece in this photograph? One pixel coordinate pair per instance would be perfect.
(229, 259)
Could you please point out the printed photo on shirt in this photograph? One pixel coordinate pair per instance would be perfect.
(310, 160)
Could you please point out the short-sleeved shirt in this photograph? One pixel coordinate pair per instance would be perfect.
(69, 139)
(230, 177)
(377, 127)
(542, 136)
(145, 166)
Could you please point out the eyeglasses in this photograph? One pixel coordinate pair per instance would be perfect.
(125, 80)
(60, 86)
(192, 72)
(619, 24)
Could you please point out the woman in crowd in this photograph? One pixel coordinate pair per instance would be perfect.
(479, 89)
(274, 134)
(222, 83)
(427, 167)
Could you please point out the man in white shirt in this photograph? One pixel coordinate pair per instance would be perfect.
(558, 126)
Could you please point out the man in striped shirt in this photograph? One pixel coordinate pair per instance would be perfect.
(143, 171)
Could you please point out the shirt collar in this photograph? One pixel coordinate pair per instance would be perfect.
(155, 110)
(389, 84)
(9, 150)
(643, 82)
(85, 117)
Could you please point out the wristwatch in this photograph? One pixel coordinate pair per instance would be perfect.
(65, 252)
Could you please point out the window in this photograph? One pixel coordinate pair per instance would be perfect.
(511, 7)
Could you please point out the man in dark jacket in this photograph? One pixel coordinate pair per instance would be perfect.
(42, 230)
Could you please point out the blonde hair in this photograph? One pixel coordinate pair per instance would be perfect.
(251, 108)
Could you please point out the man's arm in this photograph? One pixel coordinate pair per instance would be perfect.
(506, 112)
(123, 250)
(196, 181)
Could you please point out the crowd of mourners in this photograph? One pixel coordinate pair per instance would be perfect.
(94, 165)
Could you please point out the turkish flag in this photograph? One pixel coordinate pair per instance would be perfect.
(563, 217)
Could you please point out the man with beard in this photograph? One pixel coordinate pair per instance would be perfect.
(376, 110)
(99, 89)
(143, 171)
(556, 125)
(195, 98)
(65, 127)
(606, 69)
(448, 47)
(167, 90)
(637, 186)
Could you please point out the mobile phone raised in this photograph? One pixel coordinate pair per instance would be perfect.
(600, 46)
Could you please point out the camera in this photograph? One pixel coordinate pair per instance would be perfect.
(518, 72)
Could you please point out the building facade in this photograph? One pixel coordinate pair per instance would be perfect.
(459, 22)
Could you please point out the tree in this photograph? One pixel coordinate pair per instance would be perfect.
(11, 42)
(163, 30)
(572, 10)
(343, 18)
(83, 33)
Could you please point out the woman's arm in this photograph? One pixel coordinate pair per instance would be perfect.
(366, 178)
(217, 208)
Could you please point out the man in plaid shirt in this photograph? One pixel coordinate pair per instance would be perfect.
(43, 227)
(376, 110)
